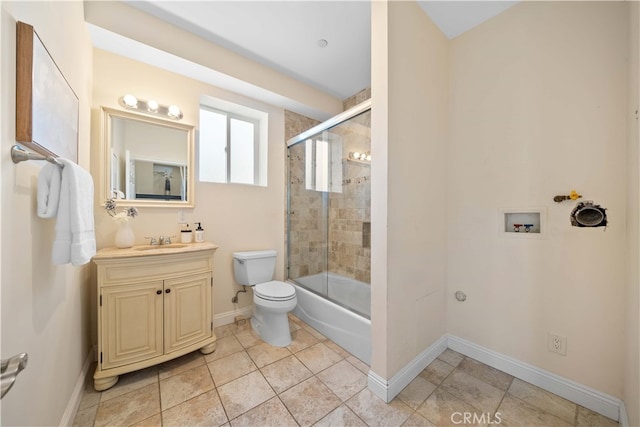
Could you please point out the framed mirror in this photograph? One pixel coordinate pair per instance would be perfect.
(147, 161)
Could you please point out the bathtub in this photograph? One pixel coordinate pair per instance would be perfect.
(349, 330)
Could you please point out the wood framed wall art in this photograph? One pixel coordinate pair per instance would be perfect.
(47, 108)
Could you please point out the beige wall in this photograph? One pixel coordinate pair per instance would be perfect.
(45, 309)
(235, 217)
(409, 95)
(538, 98)
(631, 390)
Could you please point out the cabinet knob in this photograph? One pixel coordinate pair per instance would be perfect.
(159, 292)
(168, 291)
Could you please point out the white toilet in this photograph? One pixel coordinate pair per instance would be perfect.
(272, 299)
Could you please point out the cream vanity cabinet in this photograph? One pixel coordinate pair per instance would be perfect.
(154, 304)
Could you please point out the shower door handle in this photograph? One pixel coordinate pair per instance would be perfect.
(10, 370)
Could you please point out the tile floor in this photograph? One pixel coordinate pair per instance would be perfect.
(314, 382)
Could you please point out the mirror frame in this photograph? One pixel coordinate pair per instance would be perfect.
(105, 159)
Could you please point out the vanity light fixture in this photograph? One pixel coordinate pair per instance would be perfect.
(361, 157)
(130, 102)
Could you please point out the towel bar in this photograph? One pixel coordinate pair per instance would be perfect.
(19, 154)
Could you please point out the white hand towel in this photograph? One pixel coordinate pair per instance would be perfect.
(75, 234)
(49, 180)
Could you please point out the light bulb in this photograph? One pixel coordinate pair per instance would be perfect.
(356, 155)
(153, 105)
(174, 111)
(368, 158)
(130, 101)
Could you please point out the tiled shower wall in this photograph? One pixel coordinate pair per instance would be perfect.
(349, 236)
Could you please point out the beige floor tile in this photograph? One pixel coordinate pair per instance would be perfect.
(231, 367)
(315, 333)
(375, 412)
(131, 381)
(244, 394)
(180, 364)
(493, 376)
(203, 410)
(224, 347)
(451, 357)
(264, 354)
(225, 330)
(339, 350)
(285, 373)
(344, 379)
(129, 408)
(154, 421)
(416, 392)
(548, 402)
(417, 420)
(480, 394)
(318, 357)
(271, 413)
(301, 339)
(341, 416)
(85, 417)
(437, 371)
(89, 398)
(184, 386)
(362, 367)
(309, 401)
(440, 407)
(588, 418)
(248, 338)
(515, 412)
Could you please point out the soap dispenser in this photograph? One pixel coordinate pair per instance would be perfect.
(185, 234)
(199, 233)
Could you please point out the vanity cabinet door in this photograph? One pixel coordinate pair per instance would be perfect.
(187, 311)
(131, 317)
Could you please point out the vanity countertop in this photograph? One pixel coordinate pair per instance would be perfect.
(149, 250)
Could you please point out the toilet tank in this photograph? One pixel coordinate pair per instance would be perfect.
(253, 267)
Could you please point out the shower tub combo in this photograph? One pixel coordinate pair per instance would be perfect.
(328, 228)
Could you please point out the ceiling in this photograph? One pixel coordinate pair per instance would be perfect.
(287, 35)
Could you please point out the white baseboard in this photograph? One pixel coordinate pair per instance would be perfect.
(228, 317)
(599, 402)
(78, 391)
(387, 390)
(595, 400)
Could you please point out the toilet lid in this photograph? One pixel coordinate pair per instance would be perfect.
(275, 291)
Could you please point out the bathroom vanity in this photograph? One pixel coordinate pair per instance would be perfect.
(154, 304)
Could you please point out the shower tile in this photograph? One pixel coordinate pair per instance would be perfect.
(264, 354)
(310, 401)
(205, 409)
(285, 373)
(318, 357)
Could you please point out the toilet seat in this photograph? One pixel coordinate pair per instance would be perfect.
(275, 291)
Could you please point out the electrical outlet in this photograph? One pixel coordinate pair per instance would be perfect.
(182, 217)
(557, 344)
